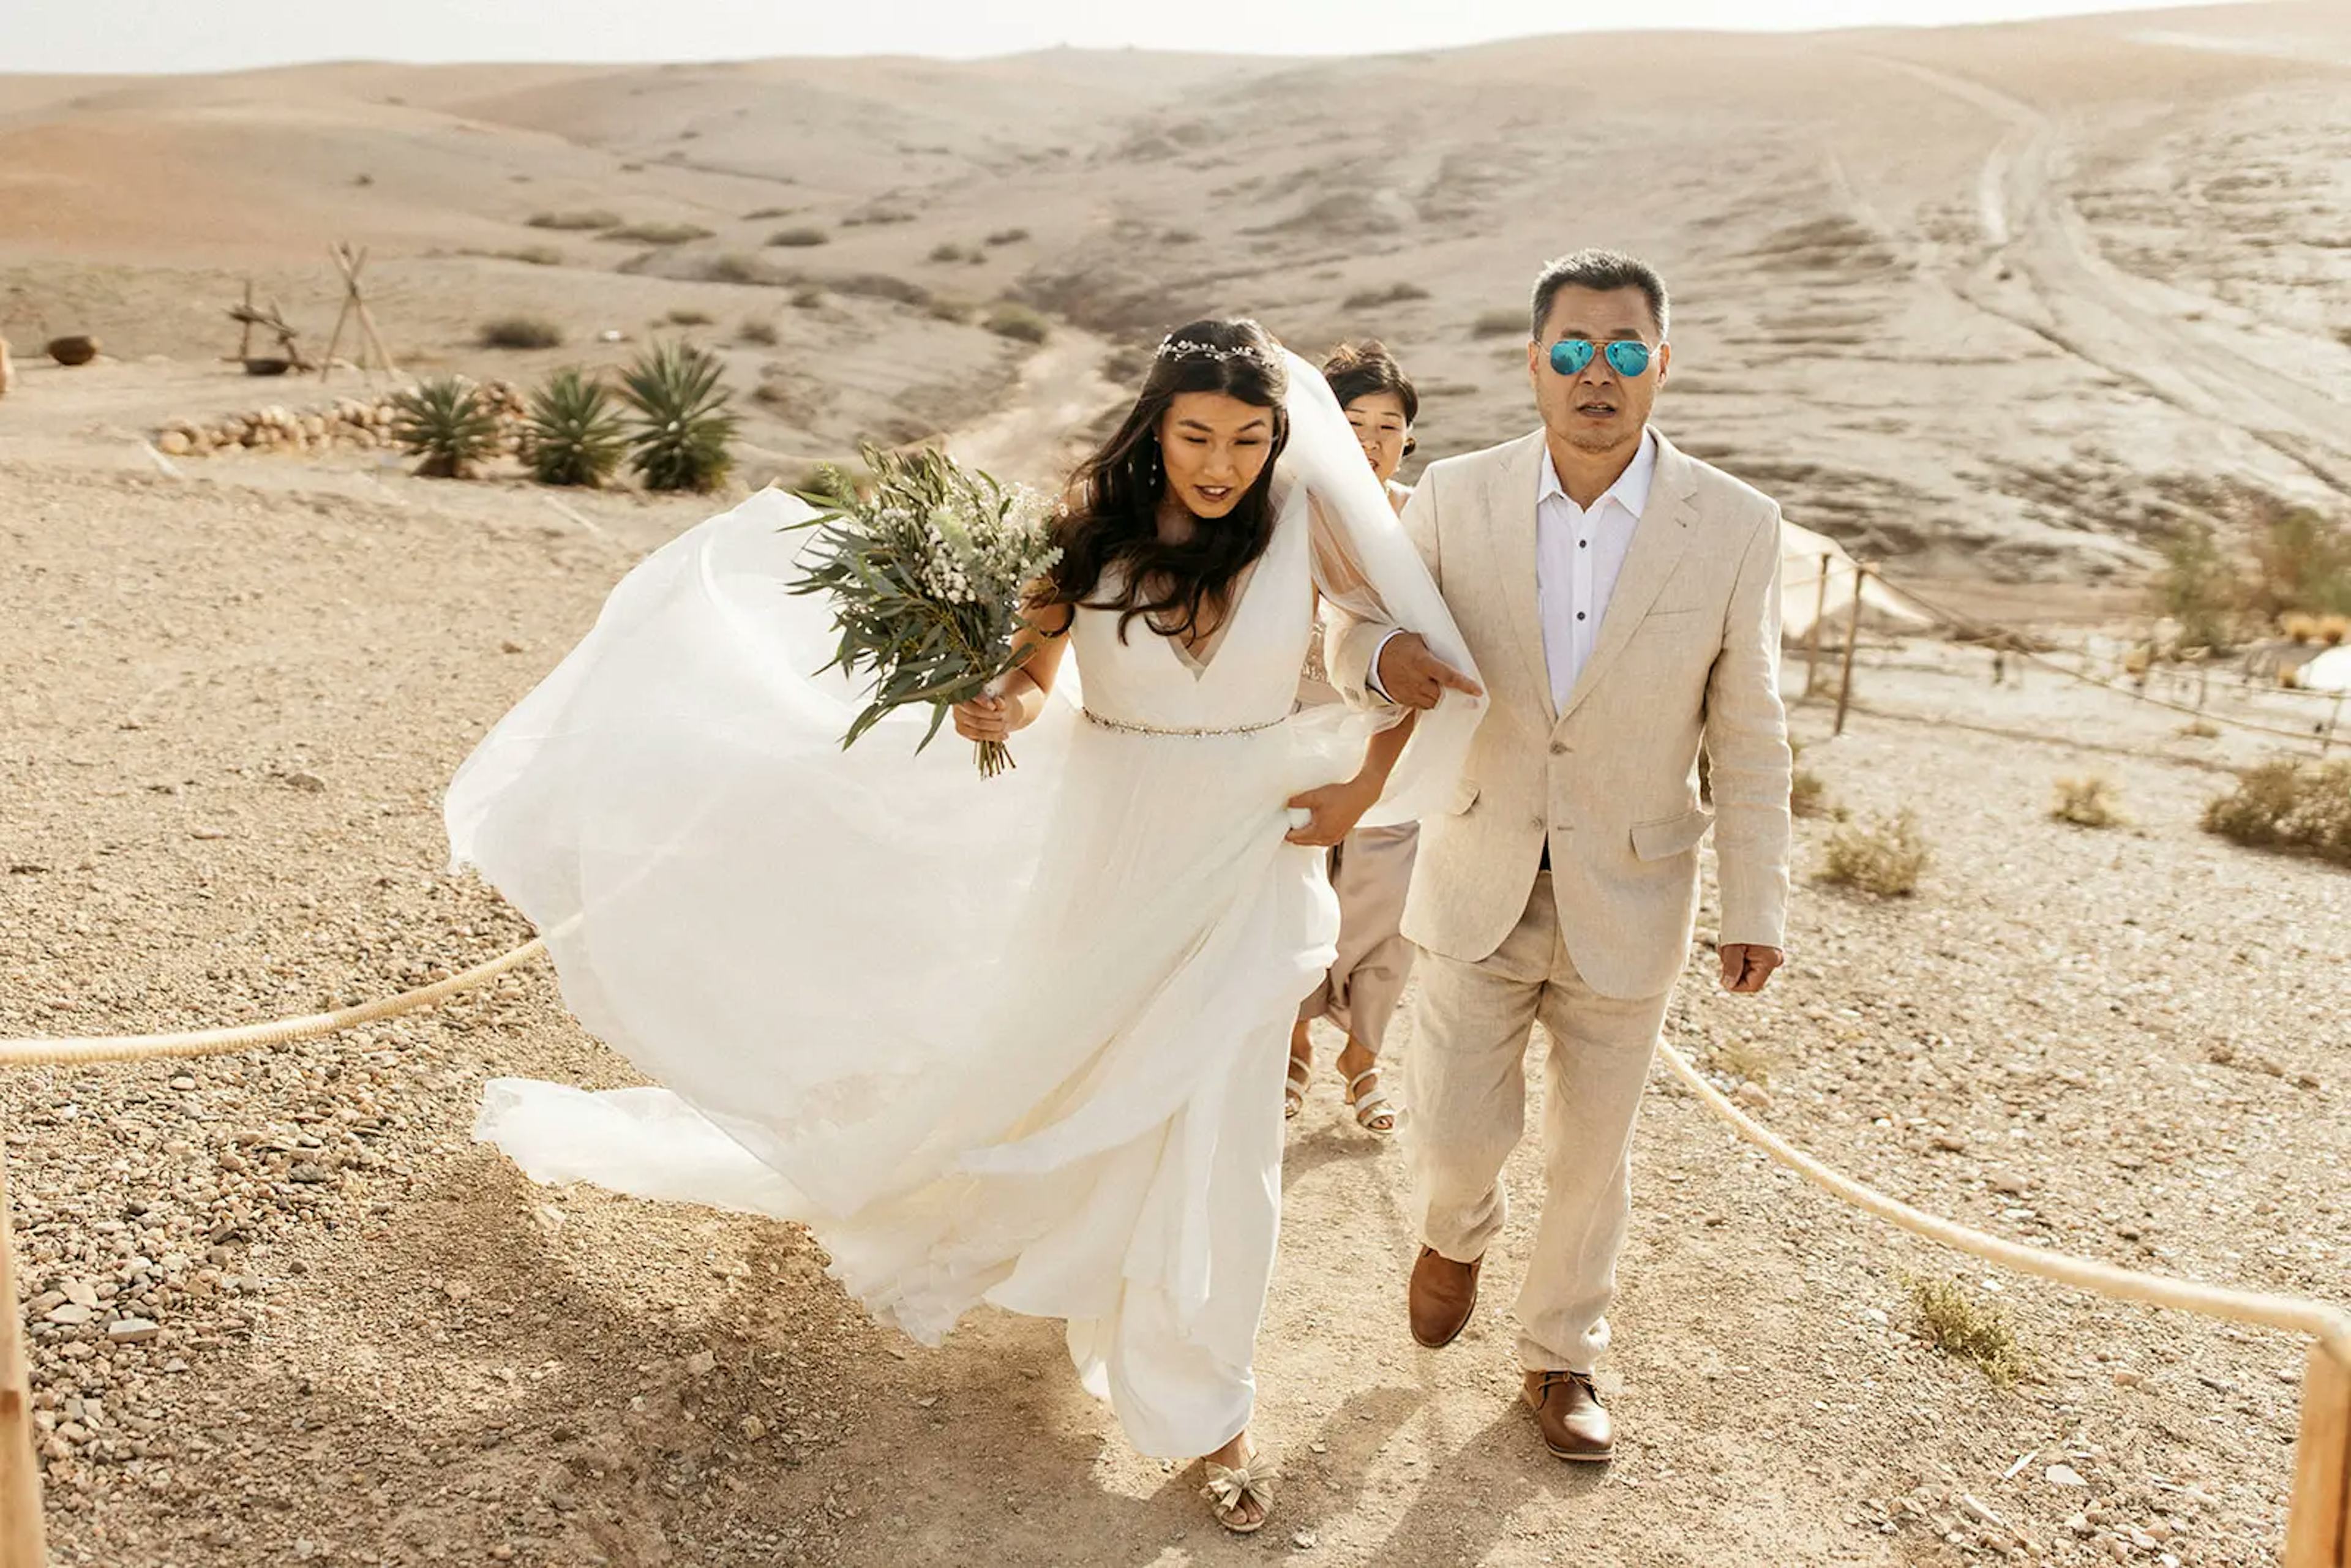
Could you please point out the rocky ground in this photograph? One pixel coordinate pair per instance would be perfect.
(283, 1309)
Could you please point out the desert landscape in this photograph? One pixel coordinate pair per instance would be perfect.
(2005, 309)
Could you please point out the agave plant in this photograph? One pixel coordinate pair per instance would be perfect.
(573, 434)
(683, 428)
(447, 422)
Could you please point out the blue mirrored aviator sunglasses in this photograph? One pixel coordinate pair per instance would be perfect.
(1628, 357)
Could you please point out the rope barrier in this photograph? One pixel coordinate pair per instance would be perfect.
(2331, 1326)
(71, 1053)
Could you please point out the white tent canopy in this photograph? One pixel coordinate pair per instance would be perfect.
(1802, 554)
(2329, 672)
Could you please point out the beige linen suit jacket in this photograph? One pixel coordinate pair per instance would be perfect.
(1688, 654)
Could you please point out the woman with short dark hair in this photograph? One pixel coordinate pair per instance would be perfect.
(1371, 869)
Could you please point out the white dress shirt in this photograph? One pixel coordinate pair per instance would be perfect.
(1579, 554)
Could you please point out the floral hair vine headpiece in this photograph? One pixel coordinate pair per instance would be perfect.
(1174, 347)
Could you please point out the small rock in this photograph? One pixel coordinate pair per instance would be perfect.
(2064, 1475)
(71, 1314)
(184, 1083)
(1948, 1143)
(2007, 1182)
(1304, 1540)
(207, 832)
(510, 646)
(753, 1429)
(131, 1331)
(309, 783)
(1753, 1095)
(81, 1292)
(701, 1363)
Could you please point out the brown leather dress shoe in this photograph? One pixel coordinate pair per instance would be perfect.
(1575, 1425)
(1443, 1296)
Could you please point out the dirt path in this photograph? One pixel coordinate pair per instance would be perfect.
(2039, 269)
(1035, 437)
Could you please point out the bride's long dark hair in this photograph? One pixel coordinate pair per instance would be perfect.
(1109, 527)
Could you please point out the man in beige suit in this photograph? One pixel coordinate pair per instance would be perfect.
(1621, 600)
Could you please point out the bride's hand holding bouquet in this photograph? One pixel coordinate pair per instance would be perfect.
(926, 567)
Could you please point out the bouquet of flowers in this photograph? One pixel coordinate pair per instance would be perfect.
(925, 564)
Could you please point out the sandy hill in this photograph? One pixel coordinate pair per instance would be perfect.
(2001, 301)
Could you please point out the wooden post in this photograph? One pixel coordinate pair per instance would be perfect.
(1812, 637)
(245, 338)
(2333, 718)
(1852, 643)
(2318, 1519)
(21, 1544)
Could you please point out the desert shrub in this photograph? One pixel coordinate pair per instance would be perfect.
(536, 255)
(2288, 805)
(683, 430)
(2199, 729)
(572, 435)
(1498, 323)
(689, 315)
(734, 267)
(1807, 795)
(1007, 236)
(450, 424)
(521, 332)
(595, 218)
(658, 234)
(1392, 294)
(754, 331)
(764, 213)
(1884, 856)
(2089, 802)
(879, 286)
(2302, 560)
(800, 237)
(945, 310)
(807, 298)
(946, 251)
(1743, 1059)
(2200, 587)
(1961, 1327)
(1018, 322)
(2334, 629)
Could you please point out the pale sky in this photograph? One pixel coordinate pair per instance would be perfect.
(115, 35)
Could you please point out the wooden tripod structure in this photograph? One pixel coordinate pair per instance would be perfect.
(350, 264)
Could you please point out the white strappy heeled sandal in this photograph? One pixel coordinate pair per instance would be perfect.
(1294, 1093)
(1370, 1108)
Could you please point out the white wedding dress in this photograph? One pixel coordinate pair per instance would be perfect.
(1017, 1041)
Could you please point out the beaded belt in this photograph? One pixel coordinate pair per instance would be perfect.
(1123, 727)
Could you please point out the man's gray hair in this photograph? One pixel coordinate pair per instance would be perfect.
(1598, 269)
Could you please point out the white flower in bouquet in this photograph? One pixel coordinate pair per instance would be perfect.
(926, 565)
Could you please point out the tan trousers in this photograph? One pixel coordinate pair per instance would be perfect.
(1370, 872)
(1466, 1082)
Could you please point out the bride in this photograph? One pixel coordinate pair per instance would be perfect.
(1015, 1040)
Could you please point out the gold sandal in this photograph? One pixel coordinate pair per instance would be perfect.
(1229, 1489)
